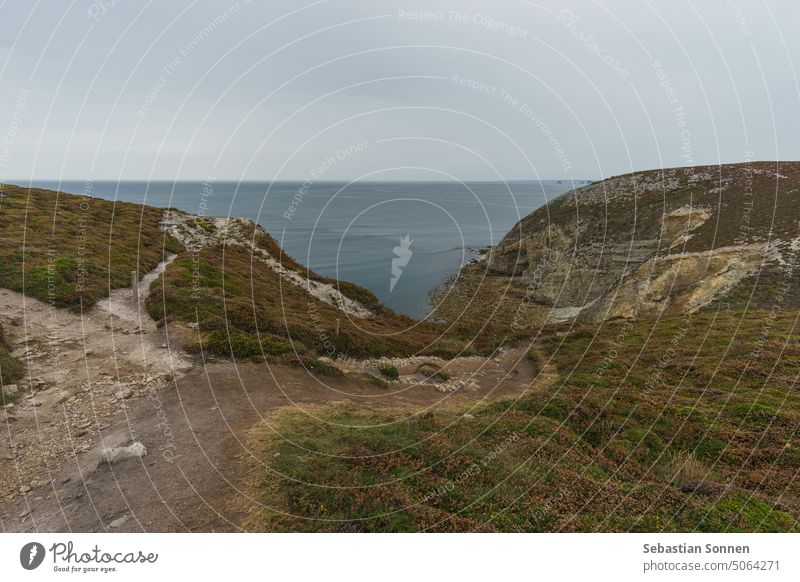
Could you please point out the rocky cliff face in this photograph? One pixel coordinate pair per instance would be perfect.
(661, 240)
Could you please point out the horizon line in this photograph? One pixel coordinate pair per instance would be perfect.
(11, 181)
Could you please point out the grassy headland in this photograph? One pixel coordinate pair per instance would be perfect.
(71, 251)
(242, 306)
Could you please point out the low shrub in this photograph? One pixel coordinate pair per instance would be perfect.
(433, 371)
(388, 371)
(240, 345)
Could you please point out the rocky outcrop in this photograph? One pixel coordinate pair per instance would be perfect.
(643, 243)
(196, 233)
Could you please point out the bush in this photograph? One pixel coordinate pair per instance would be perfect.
(241, 345)
(682, 469)
(388, 370)
(433, 371)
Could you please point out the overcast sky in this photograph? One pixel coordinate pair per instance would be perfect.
(475, 90)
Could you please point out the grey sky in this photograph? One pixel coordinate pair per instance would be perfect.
(479, 90)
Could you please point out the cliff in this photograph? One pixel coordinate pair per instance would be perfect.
(660, 241)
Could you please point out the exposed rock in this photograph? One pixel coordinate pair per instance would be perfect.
(119, 522)
(118, 454)
(10, 390)
(654, 241)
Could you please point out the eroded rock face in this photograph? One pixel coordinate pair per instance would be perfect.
(688, 281)
(658, 240)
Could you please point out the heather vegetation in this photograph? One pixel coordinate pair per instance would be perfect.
(672, 425)
(70, 251)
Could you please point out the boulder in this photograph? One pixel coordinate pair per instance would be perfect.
(118, 454)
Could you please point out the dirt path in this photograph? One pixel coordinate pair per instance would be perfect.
(82, 372)
(192, 430)
(107, 378)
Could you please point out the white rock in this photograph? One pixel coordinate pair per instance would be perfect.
(467, 416)
(124, 394)
(10, 390)
(119, 522)
(118, 454)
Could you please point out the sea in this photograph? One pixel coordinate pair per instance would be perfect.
(398, 239)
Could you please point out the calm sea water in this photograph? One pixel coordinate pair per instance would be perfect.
(353, 231)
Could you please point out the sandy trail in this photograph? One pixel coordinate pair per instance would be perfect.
(82, 371)
(194, 429)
